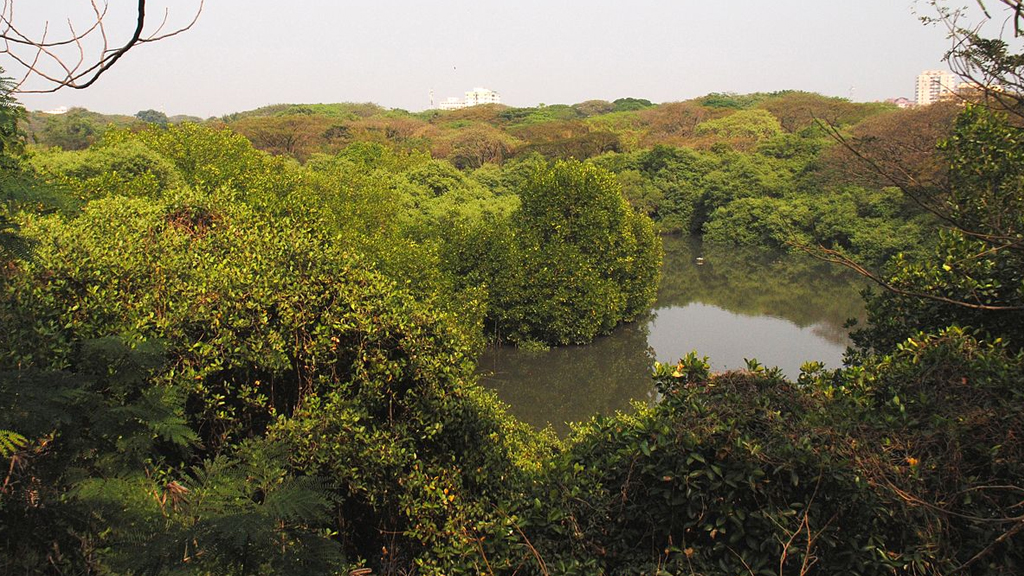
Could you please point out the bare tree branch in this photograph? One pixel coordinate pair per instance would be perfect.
(78, 60)
(837, 257)
(984, 62)
(990, 548)
(912, 188)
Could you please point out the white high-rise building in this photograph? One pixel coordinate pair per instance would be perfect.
(473, 97)
(935, 85)
(482, 96)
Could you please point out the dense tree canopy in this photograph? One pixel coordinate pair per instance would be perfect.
(247, 346)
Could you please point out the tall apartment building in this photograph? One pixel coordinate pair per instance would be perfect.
(473, 97)
(482, 96)
(935, 85)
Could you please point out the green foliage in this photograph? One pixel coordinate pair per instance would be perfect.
(231, 363)
(239, 515)
(264, 308)
(430, 483)
(574, 261)
(128, 168)
(732, 100)
(766, 222)
(75, 129)
(100, 418)
(345, 110)
(973, 275)
(905, 465)
(669, 186)
(208, 159)
(936, 423)
(251, 335)
(11, 137)
(439, 196)
(11, 442)
(743, 126)
(152, 117)
(539, 114)
(100, 483)
(630, 104)
(21, 189)
(719, 478)
(690, 369)
(752, 146)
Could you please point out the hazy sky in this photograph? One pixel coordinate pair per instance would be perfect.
(243, 54)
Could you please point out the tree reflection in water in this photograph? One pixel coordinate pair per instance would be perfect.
(741, 303)
(572, 383)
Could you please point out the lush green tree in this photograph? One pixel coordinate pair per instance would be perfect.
(678, 173)
(128, 168)
(262, 317)
(641, 193)
(841, 472)
(21, 189)
(207, 159)
(538, 114)
(579, 261)
(152, 117)
(742, 129)
(731, 100)
(72, 130)
(10, 143)
(766, 222)
(101, 481)
(631, 104)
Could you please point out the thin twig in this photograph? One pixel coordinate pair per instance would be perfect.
(836, 257)
(81, 74)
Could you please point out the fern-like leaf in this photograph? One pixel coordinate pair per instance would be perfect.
(304, 499)
(11, 442)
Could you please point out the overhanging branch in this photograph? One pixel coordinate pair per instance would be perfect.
(78, 59)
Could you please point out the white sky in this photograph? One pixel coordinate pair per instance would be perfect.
(243, 54)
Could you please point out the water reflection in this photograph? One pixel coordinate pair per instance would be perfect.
(754, 283)
(728, 339)
(572, 383)
(782, 309)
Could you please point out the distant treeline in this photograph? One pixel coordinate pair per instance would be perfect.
(757, 169)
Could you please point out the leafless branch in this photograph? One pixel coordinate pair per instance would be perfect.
(990, 548)
(983, 62)
(78, 59)
(912, 189)
(804, 526)
(1017, 6)
(836, 257)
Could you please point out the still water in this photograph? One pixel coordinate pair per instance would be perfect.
(782, 309)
